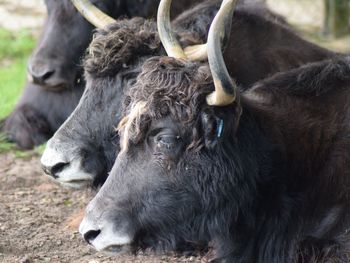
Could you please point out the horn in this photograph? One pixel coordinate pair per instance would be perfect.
(168, 39)
(219, 32)
(92, 14)
(196, 52)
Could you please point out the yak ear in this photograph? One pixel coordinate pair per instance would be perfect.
(213, 128)
(220, 122)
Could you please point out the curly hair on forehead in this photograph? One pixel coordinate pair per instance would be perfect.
(119, 45)
(169, 84)
(166, 86)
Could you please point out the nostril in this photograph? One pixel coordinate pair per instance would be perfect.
(47, 75)
(40, 74)
(57, 168)
(91, 235)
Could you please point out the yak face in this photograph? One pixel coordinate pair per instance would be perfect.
(172, 180)
(78, 153)
(83, 150)
(55, 63)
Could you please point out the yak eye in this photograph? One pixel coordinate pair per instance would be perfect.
(167, 141)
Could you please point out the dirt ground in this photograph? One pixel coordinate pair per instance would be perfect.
(38, 219)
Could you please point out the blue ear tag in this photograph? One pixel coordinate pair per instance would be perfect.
(220, 128)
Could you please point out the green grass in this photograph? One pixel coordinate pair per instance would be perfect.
(15, 49)
(4, 145)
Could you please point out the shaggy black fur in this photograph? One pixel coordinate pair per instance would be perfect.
(275, 188)
(120, 45)
(279, 48)
(65, 37)
(118, 52)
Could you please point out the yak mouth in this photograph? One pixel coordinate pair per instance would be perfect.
(60, 84)
(52, 85)
(75, 178)
(57, 87)
(70, 174)
(114, 250)
(73, 184)
(103, 236)
(79, 180)
(76, 184)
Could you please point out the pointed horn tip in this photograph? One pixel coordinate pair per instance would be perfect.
(214, 100)
(219, 97)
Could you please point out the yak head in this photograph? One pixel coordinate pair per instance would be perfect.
(178, 180)
(172, 181)
(55, 63)
(83, 149)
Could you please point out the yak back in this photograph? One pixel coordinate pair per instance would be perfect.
(195, 31)
(150, 7)
(261, 46)
(261, 42)
(306, 111)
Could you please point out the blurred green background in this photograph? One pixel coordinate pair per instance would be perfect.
(15, 47)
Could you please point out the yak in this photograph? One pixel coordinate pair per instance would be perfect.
(83, 150)
(260, 174)
(55, 71)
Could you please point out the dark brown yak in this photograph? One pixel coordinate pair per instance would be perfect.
(82, 151)
(262, 176)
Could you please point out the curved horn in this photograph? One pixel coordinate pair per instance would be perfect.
(196, 52)
(169, 41)
(92, 13)
(225, 87)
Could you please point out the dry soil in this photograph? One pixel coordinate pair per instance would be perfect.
(39, 219)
